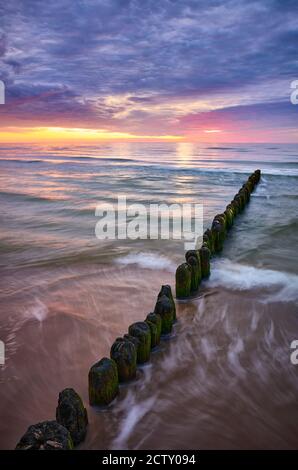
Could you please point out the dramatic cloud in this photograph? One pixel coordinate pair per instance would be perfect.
(148, 67)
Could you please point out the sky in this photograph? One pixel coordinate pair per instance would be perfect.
(146, 70)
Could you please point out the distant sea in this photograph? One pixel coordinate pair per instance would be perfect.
(224, 380)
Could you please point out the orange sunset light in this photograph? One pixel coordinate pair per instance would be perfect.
(70, 134)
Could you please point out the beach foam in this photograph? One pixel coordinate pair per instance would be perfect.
(242, 277)
(147, 261)
(38, 311)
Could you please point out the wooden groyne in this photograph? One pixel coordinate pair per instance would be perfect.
(134, 348)
(197, 262)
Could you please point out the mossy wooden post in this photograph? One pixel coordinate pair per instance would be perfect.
(249, 185)
(195, 273)
(142, 332)
(221, 218)
(254, 178)
(124, 353)
(229, 213)
(252, 182)
(235, 206)
(103, 382)
(134, 341)
(218, 232)
(240, 201)
(183, 281)
(242, 195)
(222, 233)
(164, 308)
(166, 290)
(48, 435)
(246, 191)
(72, 414)
(192, 257)
(154, 320)
(208, 239)
(205, 260)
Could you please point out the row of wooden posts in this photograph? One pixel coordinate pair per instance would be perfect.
(134, 347)
(197, 266)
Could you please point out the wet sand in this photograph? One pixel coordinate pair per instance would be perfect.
(222, 380)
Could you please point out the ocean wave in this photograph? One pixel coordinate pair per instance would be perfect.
(19, 160)
(195, 167)
(147, 261)
(105, 159)
(275, 196)
(242, 277)
(25, 197)
(220, 148)
(194, 170)
(234, 149)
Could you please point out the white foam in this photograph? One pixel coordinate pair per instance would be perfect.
(147, 261)
(39, 311)
(233, 356)
(242, 277)
(136, 412)
(254, 320)
(208, 349)
(280, 172)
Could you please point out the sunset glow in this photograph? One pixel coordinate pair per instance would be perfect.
(62, 134)
(109, 74)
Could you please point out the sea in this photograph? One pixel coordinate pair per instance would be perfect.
(225, 378)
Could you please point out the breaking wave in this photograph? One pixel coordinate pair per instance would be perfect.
(242, 277)
(147, 261)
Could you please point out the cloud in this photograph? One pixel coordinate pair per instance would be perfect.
(140, 64)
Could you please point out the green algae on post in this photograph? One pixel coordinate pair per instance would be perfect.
(157, 321)
(183, 281)
(213, 240)
(208, 239)
(154, 333)
(142, 332)
(192, 257)
(47, 435)
(195, 273)
(124, 353)
(166, 290)
(72, 414)
(103, 382)
(218, 233)
(205, 260)
(164, 308)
